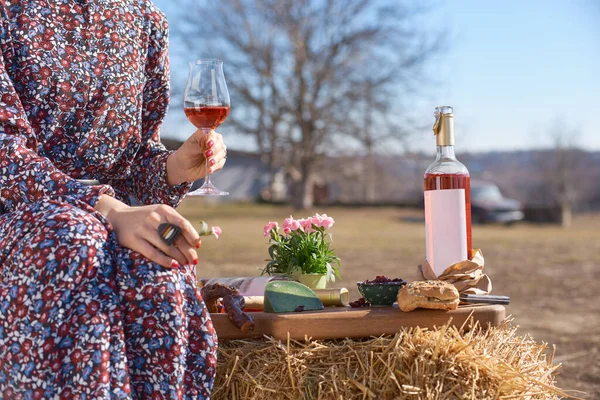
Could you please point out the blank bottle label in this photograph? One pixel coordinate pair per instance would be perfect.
(445, 228)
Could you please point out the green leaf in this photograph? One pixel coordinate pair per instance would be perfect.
(204, 230)
(330, 275)
(272, 251)
(271, 268)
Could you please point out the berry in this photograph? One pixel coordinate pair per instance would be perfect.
(380, 279)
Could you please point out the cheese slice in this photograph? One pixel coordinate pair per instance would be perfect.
(290, 296)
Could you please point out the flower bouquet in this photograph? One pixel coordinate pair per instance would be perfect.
(302, 248)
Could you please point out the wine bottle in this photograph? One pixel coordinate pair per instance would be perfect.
(447, 200)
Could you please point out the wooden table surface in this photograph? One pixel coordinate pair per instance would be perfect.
(342, 322)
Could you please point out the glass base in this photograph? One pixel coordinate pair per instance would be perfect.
(208, 189)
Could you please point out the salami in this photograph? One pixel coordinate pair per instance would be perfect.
(233, 302)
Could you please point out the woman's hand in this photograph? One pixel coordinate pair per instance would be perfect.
(188, 163)
(137, 229)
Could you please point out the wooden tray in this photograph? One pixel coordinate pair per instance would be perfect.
(342, 322)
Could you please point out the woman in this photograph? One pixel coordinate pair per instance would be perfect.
(93, 303)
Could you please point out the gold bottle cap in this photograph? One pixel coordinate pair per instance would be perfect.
(443, 128)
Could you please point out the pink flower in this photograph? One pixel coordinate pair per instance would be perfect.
(269, 227)
(313, 222)
(290, 224)
(306, 224)
(216, 230)
(323, 220)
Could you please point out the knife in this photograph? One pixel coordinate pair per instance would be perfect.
(484, 298)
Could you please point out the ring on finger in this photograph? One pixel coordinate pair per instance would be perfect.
(168, 232)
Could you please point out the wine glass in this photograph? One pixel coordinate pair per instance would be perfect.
(206, 104)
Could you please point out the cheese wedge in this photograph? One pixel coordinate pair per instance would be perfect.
(290, 296)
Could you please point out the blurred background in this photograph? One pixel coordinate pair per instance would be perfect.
(332, 104)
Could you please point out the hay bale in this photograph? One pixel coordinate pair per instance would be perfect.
(414, 364)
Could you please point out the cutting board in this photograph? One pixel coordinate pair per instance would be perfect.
(348, 322)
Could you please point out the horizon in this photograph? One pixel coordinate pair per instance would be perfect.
(420, 152)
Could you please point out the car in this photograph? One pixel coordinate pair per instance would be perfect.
(489, 205)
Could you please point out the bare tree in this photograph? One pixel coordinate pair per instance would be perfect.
(564, 170)
(307, 72)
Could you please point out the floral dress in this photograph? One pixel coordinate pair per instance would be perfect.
(83, 91)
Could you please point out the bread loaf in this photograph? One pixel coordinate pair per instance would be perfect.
(437, 295)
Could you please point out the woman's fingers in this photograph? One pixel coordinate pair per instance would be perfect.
(217, 161)
(217, 157)
(169, 250)
(185, 248)
(154, 254)
(138, 228)
(214, 150)
(213, 140)
(187, 230)
(217, 165)
(188, 240)
(182, 249)
(179, 248)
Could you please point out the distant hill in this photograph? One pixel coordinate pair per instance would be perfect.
(525, 175)
(398, 179)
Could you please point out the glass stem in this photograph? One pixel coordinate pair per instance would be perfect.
(207, 176)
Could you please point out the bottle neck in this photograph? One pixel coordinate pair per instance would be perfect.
(444, 130)
(445, 152)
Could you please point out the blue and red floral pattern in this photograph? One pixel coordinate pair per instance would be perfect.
(83, 92)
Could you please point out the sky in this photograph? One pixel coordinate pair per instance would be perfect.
(512, 72)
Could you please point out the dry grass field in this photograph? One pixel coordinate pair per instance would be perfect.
(551, 274)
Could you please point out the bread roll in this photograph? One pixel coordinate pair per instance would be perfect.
(437, 295)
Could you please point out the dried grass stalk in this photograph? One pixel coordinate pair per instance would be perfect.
(416, 363)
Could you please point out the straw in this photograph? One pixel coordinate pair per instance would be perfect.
(446, 363)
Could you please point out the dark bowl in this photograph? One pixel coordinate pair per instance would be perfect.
(380, 294)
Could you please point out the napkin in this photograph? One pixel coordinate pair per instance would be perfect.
(467, 276)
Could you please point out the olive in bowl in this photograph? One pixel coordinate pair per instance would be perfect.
(381, 291)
